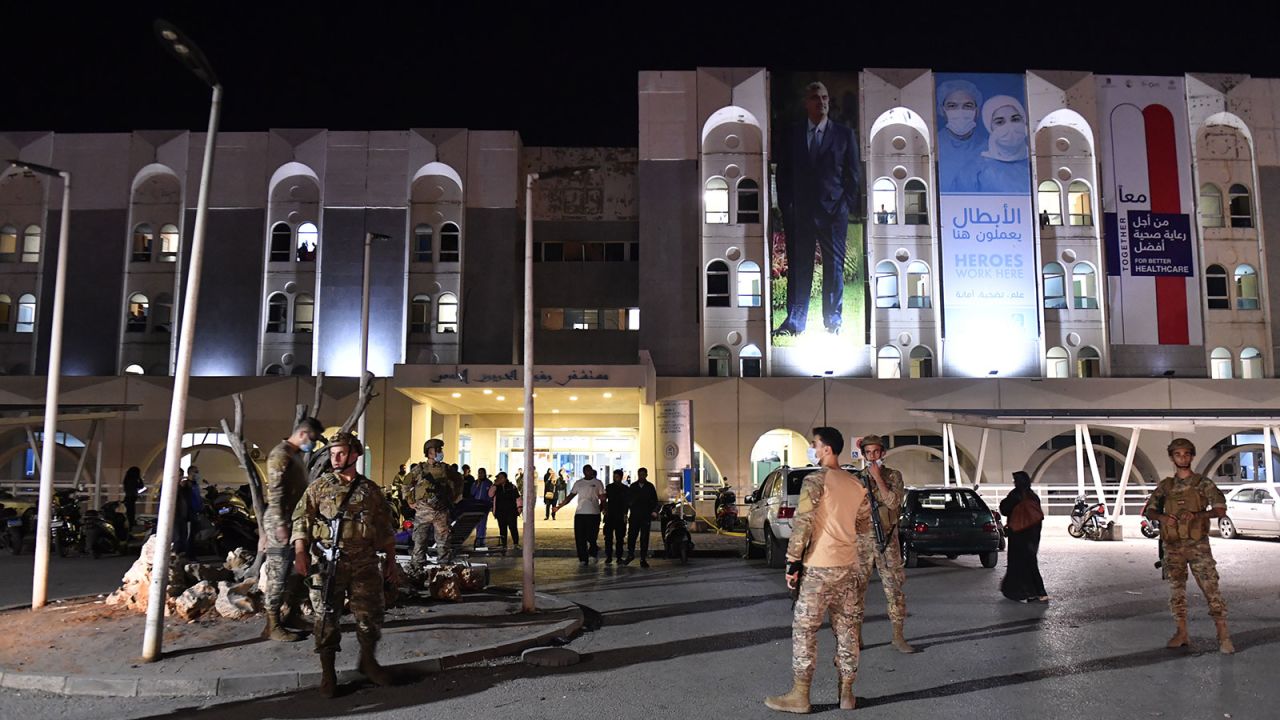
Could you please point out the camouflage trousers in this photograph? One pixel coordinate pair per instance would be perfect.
(424, 520)
(892, 575)
(359, 584)
(281, 582)
(1196, 556)
(833, 590)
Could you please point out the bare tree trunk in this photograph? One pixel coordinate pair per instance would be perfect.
(319, 461)
(241, 449)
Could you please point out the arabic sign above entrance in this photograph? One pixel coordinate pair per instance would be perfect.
(513, 375)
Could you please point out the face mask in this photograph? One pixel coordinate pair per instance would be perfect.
(812, 454)
(307, 446)
(1011, 136)
(961, 121)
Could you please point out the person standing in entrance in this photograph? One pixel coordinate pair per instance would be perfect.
(890, 493)
(481, 499)
(549, 495)
(586, 520)
(132, 489)
(833, 508)
(615, 517)
(642, 501)
(506, 507)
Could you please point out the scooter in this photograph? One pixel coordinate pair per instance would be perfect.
(234, 525)
(727, 509)
(1088, 520)
(105, 530)
(1150, 528)
(67, 523)
(674, 518)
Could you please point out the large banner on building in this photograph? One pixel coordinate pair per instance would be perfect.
(990, 312)
(817, 274)
(1147, 203)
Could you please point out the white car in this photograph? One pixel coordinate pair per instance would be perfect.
(1251, 510)
(769, 513)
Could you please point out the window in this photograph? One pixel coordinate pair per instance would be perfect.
(751, 361)
(582, 318)
(590, 318)
(6, 306)
(8, 243)
(918, 285)
(1246, 287)
(1211, 206)
(889, 363)
(423, 237)
(1218, 295)
(273, 369)
(1240, 206)
(748, 201)
(915, 198)
(304, 313)
(886, 284)
(450, 242)
(31, 244)
(553, 252)
(1220, 364)
(281, 243)
(139, 308)
(169, 243)
(1055, 363)
(716, 202)
(134, 370)
(718, 361)
(613, 318)
(921, 362)
(308, 242)
(748, 284)
(420, 314)
(143, 240)
(552, 318)
(717, 284)
(615, 252)
(1079, 203)
(1050, 198)
(633, 318)
(446, 307)
(1055, 290)
(1088, 363)
(884, 201)
(277, 313)
(1250, 363)
(1084, 287)
(26, 314)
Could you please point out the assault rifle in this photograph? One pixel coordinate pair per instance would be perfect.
(332, 555)
(882, 541)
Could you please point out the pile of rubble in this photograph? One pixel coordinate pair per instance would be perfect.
(194, 588)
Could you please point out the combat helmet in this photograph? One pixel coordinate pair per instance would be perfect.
(1181, 444)
(349, 439)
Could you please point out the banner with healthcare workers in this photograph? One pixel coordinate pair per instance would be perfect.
(990, 309)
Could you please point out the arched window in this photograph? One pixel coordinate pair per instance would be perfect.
(1250, 363)
(751, 362)
(1218, 293)
(8, 243)
(717, 284)
(1055, 287)
(886, 284)
(169, 243)
(304, 313)
(6, 307)
(718, 361)
(1240, 206)
(450, 242)
(1088, 363)
(1211, 206)
(1084, 287)
(884, 202)
(139, 308)
(1079, 203)
(715, 200)
(748, 201)
(1246, 287)
(915, 198)
(420, 314)
(1050, 198)
(748, 284)
(134, 370)
(1056, 363)
(1220, 364)
(144, 238)
(31, 244)
(918, 285)
(277, 313)
(889, 362)
(281, 242)
(447, 313)
(308, 242)
(423, 239)
(26, 314)
(273, 369)
(921, 362)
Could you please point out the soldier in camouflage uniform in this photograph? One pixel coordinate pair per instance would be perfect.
(432, 489)
(359, 575)
(286, 481)
(890, 493)
(824, 546)
(1184, 504)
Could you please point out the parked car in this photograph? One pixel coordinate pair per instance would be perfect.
(948, 521)
(1251, 510)
(770, 509)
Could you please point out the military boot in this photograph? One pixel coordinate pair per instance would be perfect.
(847, 699)
(369, 666)
(1179, 638)
(276, 631)
(899, 641)
(1224, 638)
(328, 677)
(795, 701)
(295, 620)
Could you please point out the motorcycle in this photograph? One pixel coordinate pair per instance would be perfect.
(727, 509)
(67, 522)
(15, 518)
(231, 525)
(1150, 528)
(106, 530)
(1088, 519)
(674, 518)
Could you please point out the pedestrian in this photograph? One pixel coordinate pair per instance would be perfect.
(182, 516)
(642, 504)
(1183, 504)
(359, 575)
(586, 519)
(431, 489)
(286, 481)
(549, 495)
(562, 490)
(890, 493)
(615, 517)
(506, 507)
(133, 487)
(1022, 581)
(481, 500)
(824, 567)
(467, 480)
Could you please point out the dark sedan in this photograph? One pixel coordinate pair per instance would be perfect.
(949, 521)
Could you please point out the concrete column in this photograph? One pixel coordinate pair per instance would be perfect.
(450, 437)
(484, 450)
(419, 429)
(647, 455)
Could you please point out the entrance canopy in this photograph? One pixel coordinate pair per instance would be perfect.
(499, 389)
(1152, 419)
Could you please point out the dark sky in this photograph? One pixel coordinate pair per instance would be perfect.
(560, 74)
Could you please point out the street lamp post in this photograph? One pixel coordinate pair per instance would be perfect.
(181, 47)
(40, 579)
(527, 598)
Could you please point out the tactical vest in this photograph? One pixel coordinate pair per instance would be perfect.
(1182, 499)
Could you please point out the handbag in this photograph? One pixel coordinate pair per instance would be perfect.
(1025, 514)
(548, 496)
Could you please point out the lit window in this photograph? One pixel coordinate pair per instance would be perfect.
(277, 313)
(450, 242)
(134, 370)
(582, 318)
(716, 200)
(31, 244)
(168, 243)
(6, 307)
(884, 200)
(552, 318)
(1217, 293)
(1088, 363)
(1211, 206)
(918, 285)
(748, 284)
(446, 309)
(1084, 288)
(1079, 203)
(308, 242)
(281, 243)
(1246, 288)
(748, 201)
(304, 313)
(1050, 198)
(8, 243)
(26, 314)
(143, 240)
(1056, 362)
(718, 361)
(1250, 363)
(1240, 206)
(915, 197)
(1220, 364)
(139, 307)
(633, 318)
(751, 362)
(889, 362)
(420, 314)
(423, 237)
(921, 362)
(886, 285)
(1055, 287)
(717, 284)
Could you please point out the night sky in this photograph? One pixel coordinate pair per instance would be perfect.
(560, 74)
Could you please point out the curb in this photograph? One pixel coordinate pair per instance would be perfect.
(272, 683)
